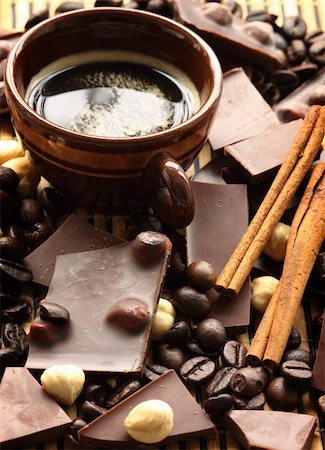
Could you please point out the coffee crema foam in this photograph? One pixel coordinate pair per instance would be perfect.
(113, 94)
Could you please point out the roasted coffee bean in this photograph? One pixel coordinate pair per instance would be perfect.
(321, 405)
(68, 6)
(317, 97)
(149, 246)
(131, 314)
(220, 383)
(296, 371)
(314, 36)
(316, 52)
(8, 210)
(193, 347)
(97, 391)
(296, 51)
(191, 302)
(217, 405)
(14, 336)
(298, 354)
(171, 357)
(36, 18)
(280, 42)
(38, 234)
(14, 272)
(30, 212)
(256, 402)
(90, 411)
(178, 334)
(304, 71)
(260, 31)
(54, 203)
(53, 312)
(294, 27)
(294, 340)
(198, 370)
(261, 15)
(233, 354)
(18, 313)
(153, 371)
(76, 425)
(281, 395)
(122, 392)
(11, 248)
(217, 13)
(211, 334)
(249, 381)
(284, 77)
(201, 275)
(8, 179)
(114, 3)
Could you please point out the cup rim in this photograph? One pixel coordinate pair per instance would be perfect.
(212, 98)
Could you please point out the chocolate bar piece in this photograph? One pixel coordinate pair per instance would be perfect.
(271, 430)
(91, 285)
(221, 218)
(233, 37)
(211, 172)
(318, 380)
(260, 156)
(74, 235)
(190, 421)
(28, 415)
(242, 111)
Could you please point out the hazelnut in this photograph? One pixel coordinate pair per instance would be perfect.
(150, 421)
(27, 173)
(262, 289)
(10, 149)
(163, 320)
(132, 314)
(63, 382)
(276, 246)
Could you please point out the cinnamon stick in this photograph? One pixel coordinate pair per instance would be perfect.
(306, 237)
(290, 175)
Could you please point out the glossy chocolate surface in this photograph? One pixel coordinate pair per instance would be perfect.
(271, 430)
(89, 285)
(190, 421)
(260, 156)
(74, 235)
(242, 111)
(318, 380)
(28, 415)
(220, 219)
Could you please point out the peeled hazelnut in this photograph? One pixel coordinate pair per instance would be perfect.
(27, 173)
(150, 421)
(149, 246)
(262, 289)
(63, 382)
(163, 320)
(10, 149)
(276, 246)
(130, 313)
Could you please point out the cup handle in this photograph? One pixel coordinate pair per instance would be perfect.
(169, 193)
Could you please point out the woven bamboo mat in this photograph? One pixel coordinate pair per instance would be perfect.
(13, 14)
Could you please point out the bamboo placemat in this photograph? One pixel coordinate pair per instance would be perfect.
(13, 14)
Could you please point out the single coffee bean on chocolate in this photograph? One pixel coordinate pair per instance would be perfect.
(36, 18)
(90, 411)
(294, 340)
(191, 302)
(296, 51)
(30, 212)
(233, 354)
(122, 392)
(149, 246)
(17, 313)
(171, 357)
(249, 381)
(211, 334)
(321, 405)
(11, 248)
(8, 210)
(153, 372)
(68, 6)
(316, 52)
(38, 234)
(220, 383)
(217, 405)
(299, 354)
(217, 13)
(53, 312)
(294, 27)
(262, 32)
(198, 370)
(8, 179)
(97, 391)
(178, 334)
(281, 395)
(256, 402)
(201, 275)
(76, 425)
(296, 371)
(13, 272)
(130, 314)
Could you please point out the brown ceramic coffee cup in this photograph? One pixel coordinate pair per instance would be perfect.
(116, 174)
